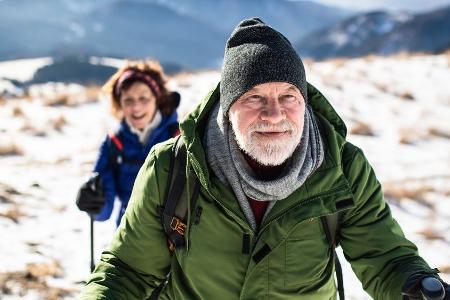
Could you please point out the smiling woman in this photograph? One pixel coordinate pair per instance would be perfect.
(147, 111)
(138, 104)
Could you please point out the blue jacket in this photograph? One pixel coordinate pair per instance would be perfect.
(118, 179)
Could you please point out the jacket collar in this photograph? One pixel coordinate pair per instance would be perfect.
(325, 184)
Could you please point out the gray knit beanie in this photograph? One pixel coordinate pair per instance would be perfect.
(256, 53)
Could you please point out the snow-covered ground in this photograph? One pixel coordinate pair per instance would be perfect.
(397, 110)
(22, 69)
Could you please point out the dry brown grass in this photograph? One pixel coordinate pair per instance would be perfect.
(382, 87)
(92, 93)
(406, 96)
(65, 99)
(439, 132)
(308, 62)
(34, 278)
(409, 136)
(62, 160)
(338, 62)
(401, 193)
(10, 149)
(361, 128)
(370, 58)
(28, 97)
(9, 189)
(14, 214)
(58, 123)
(60, 208)
(31, 129)
(4, 198)
(59, 100)
(447, 55)
(406, 140)
(17, 111)
(45, 269)
(404, 55)
(445, 269)
(431, 234)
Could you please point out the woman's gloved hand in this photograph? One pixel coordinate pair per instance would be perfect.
(91, 198)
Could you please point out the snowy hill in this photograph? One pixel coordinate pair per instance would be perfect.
(171, 31)
(381, 33)
(294, 18)
(396, 109)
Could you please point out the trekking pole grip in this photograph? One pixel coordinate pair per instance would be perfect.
(432, 289)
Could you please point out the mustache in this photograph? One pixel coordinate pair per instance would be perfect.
(284, 125)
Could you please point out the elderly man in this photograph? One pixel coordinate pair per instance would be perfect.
(270, 157)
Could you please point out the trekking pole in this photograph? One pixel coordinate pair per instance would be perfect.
(92, 242)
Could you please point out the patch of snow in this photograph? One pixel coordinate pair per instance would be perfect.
(8, 89)
(23, 69)
(339, 38)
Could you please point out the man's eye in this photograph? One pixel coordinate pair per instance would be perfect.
(254, 98)
(288, 98)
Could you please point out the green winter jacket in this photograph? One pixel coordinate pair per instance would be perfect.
(289, 257)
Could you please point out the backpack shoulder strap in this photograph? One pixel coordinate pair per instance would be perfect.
(175, 212)
(331, 226)
(115, 151)
(174, 130)
(115, 139)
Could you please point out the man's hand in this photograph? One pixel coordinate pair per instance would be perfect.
(91, 197)
(425, 287)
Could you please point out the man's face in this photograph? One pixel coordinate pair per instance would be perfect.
(268, 121)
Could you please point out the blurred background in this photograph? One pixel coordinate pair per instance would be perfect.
(384, 65)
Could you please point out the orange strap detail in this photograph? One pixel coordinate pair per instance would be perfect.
(116, 141)
(177, 132)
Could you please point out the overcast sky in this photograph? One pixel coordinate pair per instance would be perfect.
(409, 5)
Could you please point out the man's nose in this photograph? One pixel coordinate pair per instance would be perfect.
(273, 112)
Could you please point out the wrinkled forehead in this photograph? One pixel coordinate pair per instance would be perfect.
(273, 87)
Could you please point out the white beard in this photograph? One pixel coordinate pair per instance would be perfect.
(269, 151)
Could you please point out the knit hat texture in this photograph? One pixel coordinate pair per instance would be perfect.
(256, 53)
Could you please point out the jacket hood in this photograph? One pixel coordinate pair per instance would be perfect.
(320, 105)
(193, 126)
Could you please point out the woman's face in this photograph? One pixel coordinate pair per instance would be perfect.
(138, 104)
